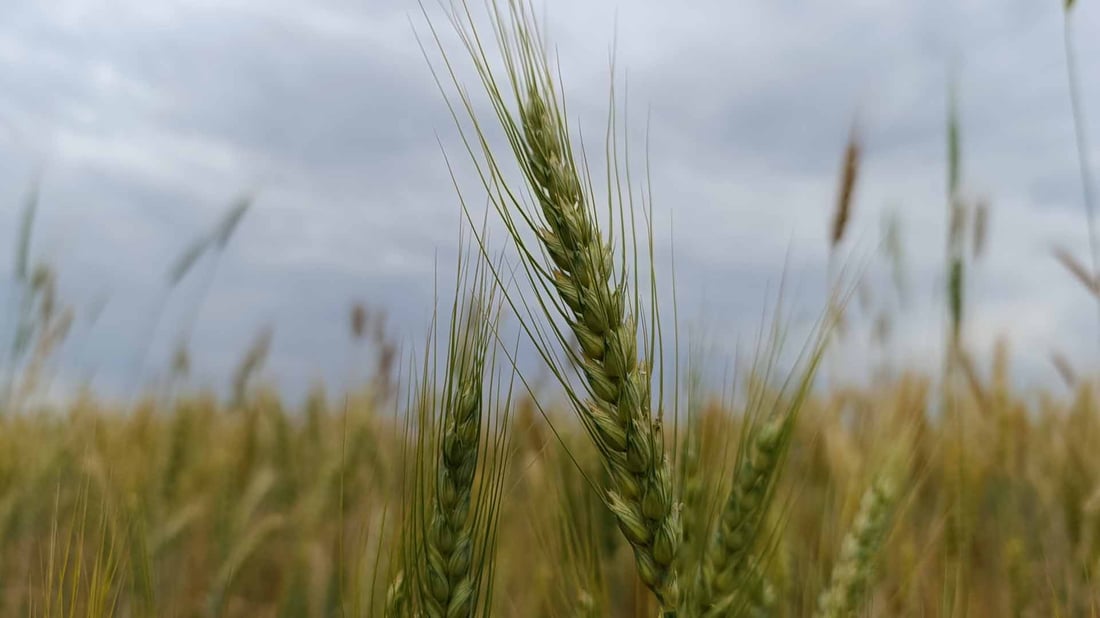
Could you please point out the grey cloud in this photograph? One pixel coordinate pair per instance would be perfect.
(151, 117)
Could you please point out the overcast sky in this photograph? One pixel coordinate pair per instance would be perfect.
(147, 119)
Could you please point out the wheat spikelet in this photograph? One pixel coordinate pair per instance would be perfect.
(849, 175)
(955, 298)
(396, 597)
(756, 597)
(358, 321)
(23, 241)
(586, 606)
(954, 151)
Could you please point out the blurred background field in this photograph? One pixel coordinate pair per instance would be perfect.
(264, 509)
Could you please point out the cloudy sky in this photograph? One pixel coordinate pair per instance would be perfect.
(145, 120)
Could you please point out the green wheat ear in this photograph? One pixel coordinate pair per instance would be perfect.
(728, 580)
(581, 279)
(854, 569)
(459, 459)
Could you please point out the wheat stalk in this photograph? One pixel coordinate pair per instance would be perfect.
(1064, 368)
(1080, 125)
(250, 364)
(956, 215)
(1077, 269)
